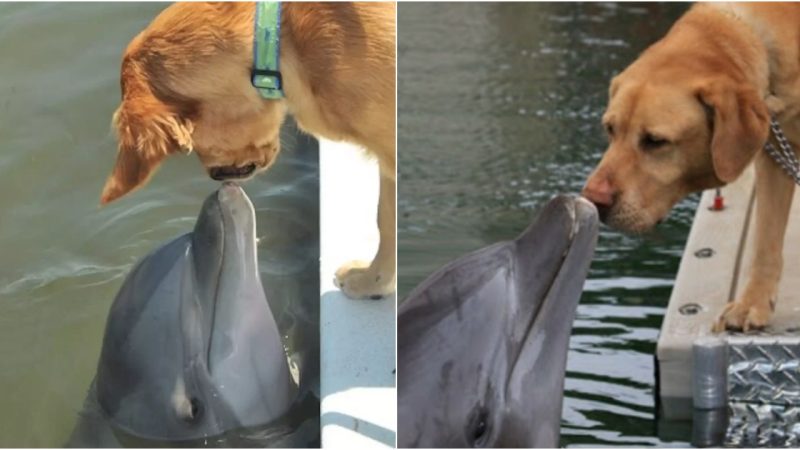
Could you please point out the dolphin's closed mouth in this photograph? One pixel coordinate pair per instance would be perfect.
(216, 282)
(223, 173)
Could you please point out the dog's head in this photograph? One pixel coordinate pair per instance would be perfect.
(673, 129)
(186, 87)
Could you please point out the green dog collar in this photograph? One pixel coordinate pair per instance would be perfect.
(267, 50)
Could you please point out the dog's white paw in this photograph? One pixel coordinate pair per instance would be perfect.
(359, 280)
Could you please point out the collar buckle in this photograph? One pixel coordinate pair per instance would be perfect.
(269, 82)
(266, 72)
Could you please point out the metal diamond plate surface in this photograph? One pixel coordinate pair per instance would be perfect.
(764, 370)
(763, 391)
(762, 425)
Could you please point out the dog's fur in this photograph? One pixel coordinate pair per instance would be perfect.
(691, 113)
(186, 87)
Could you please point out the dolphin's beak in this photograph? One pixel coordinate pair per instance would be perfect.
(570, 225)
(554, 247)
(224, 246)
(242, 332)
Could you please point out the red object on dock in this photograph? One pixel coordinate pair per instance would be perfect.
(719, 202)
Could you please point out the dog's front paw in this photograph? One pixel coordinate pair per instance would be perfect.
(745, 315)
(359, 280)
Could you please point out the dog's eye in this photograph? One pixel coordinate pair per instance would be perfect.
(652, 142)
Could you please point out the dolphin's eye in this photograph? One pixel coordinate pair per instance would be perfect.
(195, 410)
(478, 430)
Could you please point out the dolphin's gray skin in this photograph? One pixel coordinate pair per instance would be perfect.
(482, 343)
(191, 349)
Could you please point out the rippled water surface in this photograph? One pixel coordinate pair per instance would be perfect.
(62, 258)
(499, 110)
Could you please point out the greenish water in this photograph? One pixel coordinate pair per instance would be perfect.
(499, 109)
(62, 258)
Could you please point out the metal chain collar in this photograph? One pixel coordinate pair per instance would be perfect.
(784, 156)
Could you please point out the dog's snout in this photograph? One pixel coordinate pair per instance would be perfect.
(599, 191)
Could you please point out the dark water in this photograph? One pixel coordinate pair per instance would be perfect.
(499, 110)
(62, 258)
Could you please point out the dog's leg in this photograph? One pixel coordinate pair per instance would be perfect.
(753, 309)
(357, 279)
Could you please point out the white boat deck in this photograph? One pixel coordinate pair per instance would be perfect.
(712, 272)
(357, 380)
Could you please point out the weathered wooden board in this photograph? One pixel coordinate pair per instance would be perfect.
(704, 284)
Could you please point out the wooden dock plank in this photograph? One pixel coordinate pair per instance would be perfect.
(702, 288)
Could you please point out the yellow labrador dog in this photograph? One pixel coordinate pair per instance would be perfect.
(186, 86)
(691, 113)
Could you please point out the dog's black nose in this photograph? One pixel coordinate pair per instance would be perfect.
(231, 172)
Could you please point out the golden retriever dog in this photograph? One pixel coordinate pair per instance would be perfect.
(691, 113)
(186, 87)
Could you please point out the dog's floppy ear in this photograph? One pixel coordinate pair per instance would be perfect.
(740, 126)
(147, 131)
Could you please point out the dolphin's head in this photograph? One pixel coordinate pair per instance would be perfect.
(191, 348)
(483, 342)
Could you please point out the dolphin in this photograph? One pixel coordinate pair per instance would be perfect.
(191, 349)
(482, 343)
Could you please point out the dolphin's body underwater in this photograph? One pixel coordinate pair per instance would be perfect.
(191, 349)
(483, 341)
